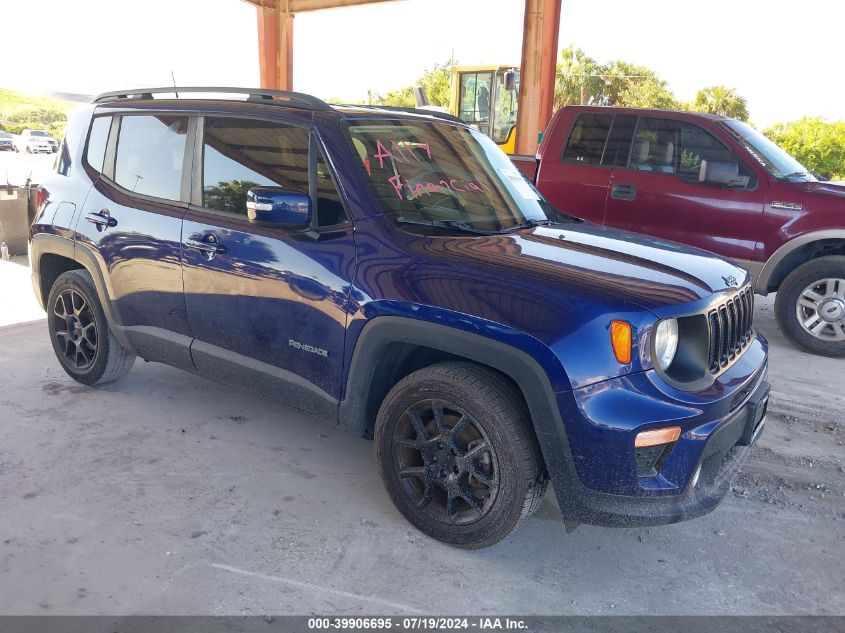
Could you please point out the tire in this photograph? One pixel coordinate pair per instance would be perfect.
(810, 306)
(453, 432)
(87, 351)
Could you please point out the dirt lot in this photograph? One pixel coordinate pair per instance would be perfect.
(166, 493)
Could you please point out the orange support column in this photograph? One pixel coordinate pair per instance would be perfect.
(275, 48)
(537, 74)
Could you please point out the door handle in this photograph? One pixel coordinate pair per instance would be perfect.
(208, 244)
(102, 219)
(623, 191)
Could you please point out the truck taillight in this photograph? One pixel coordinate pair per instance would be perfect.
(39, 196)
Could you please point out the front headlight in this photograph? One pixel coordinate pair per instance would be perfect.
(665, 343)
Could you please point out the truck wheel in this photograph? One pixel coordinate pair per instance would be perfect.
(810, 306)
(82, 340)
(457, 455)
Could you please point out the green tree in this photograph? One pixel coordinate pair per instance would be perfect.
(817, 144)
(403, 98)
(578, 78)
(721, 100)
(582, 80)
(627, 84)
(437, 82)
(230, 194)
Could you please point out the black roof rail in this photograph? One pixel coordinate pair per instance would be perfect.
(253, 94)
(435, 113)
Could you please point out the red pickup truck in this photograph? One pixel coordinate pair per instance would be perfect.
(711, 182)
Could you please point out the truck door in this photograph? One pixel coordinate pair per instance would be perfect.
(577, 181)
(682, 183)
(266, 307)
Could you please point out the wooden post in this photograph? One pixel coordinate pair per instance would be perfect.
(275, 47)
(537, 73)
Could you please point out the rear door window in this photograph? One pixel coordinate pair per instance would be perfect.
(150, 155)
(586, 142)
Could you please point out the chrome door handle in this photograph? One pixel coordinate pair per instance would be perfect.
(208, 244)
(623, 191)
(102, 219)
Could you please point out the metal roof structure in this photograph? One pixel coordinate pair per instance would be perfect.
(537, 70)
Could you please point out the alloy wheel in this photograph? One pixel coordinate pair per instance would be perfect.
(75, 329)
(821, 309)
(445, 462)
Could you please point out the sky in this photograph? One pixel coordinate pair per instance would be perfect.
(783, 56)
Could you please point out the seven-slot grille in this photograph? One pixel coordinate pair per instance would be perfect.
(730, 329)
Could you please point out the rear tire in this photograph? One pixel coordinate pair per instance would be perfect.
(810, 306)
(457, 455)
(84, 345)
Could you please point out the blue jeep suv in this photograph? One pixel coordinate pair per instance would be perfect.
(391, 272)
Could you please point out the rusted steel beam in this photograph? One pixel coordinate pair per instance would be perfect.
(537, 73)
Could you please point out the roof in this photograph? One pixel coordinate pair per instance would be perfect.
(281, 98)
(648, 111)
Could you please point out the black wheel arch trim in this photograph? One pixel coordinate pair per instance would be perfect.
(45, 243)
(517, 365)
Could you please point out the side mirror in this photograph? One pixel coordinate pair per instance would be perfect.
(719, 172)
(276, 206)
(510, 80)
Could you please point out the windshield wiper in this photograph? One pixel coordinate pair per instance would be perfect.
(529, 224)
(447, 225)
(797, 174)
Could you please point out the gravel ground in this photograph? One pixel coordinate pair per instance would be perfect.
(166, 493)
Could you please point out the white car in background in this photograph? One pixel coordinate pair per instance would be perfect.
(35, 141)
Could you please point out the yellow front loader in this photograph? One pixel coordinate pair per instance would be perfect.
(485, 96)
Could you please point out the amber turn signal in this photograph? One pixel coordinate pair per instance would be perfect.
(620, 338)
(657, 436)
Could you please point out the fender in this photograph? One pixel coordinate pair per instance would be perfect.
(355, 413)
(762, 284)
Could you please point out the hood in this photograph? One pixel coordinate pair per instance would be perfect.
(831, 188)
(648, 272)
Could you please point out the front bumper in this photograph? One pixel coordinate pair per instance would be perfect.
(718, 427)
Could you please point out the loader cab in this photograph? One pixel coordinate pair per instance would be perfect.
(486, 96)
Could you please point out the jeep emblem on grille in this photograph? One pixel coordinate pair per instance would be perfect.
(730, 280)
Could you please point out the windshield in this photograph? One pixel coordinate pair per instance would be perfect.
(773, 158)
(439, 173)
(38, 133)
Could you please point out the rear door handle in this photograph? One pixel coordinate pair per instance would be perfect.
(208, 244)
(102, 219)
(623, 191)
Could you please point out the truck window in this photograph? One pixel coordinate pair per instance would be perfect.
(679, 148)
(619, 141)
(474, 105)
(587, 139)
(150, 151)
(239, 154)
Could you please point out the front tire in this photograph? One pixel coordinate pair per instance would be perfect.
(84, 345)
(810, 306)
(457, 455)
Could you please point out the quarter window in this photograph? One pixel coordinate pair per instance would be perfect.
(97, 142)
(586, 142)
(150, 152)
